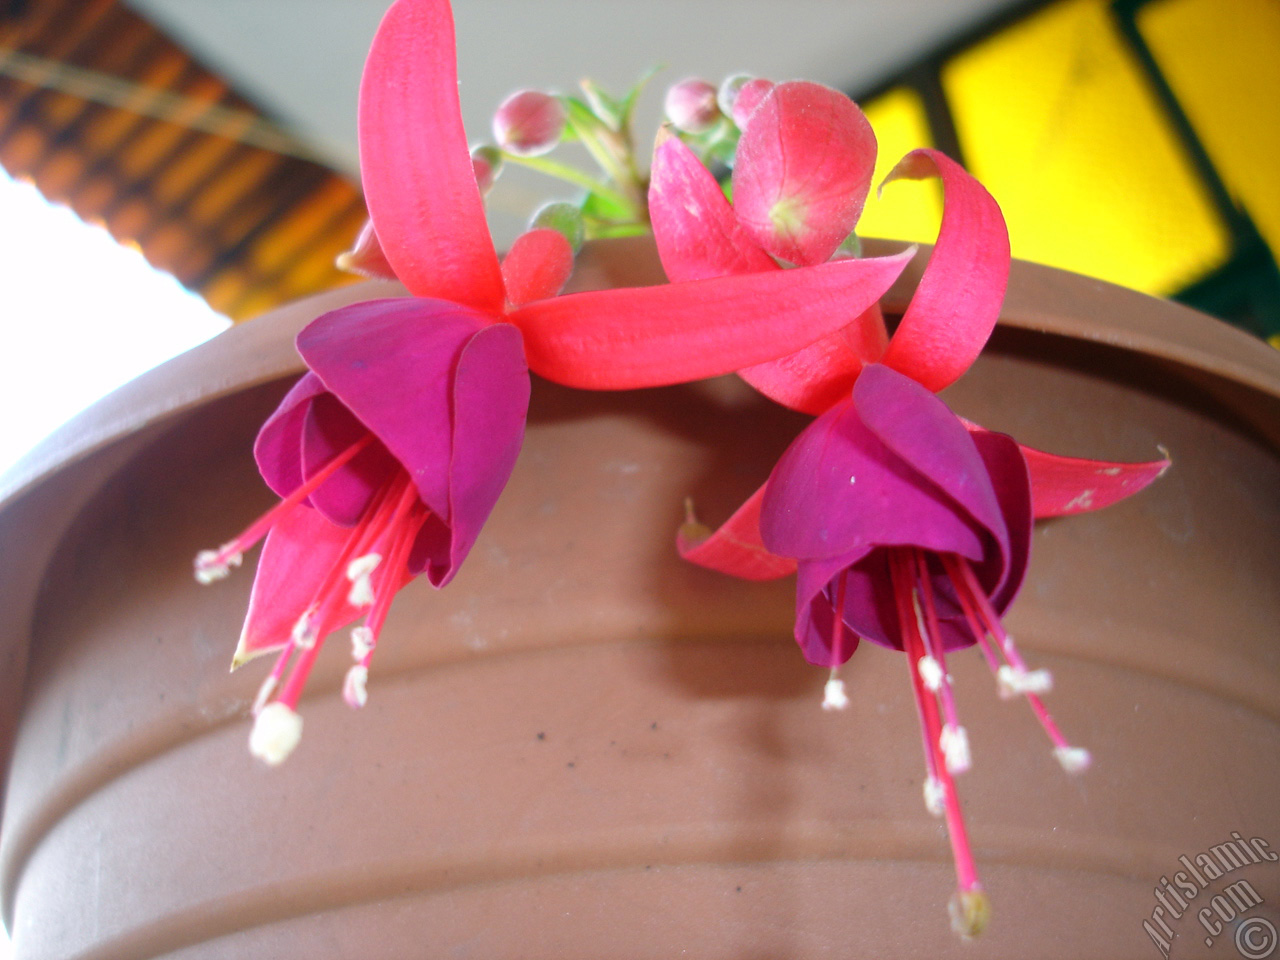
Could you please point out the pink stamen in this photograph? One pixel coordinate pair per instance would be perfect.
(226, 553)
(331, 597)
(385, 589)
(983, 620)
(932, 635)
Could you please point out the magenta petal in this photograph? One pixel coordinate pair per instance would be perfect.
(815, 612)
(735, 547)
(490, 402)
(803, 171)
(816, 378)
(299, 553)
(838, 489)
(696, 230)
(1066, 485)
(958, 300)
(391, 363)
(278, 447)
(651, 336)
(329, 429)
(1002, 576)
(418, 179)
(922, 431)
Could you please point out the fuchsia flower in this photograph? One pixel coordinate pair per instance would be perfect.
(905, 525)
(391, 451)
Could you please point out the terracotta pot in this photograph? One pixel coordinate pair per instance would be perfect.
(584, 748)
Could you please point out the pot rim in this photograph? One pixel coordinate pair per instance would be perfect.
(262, 350)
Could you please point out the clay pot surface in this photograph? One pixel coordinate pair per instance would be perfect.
(585, 748)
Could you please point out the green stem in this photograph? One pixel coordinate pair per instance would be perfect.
(562, 171)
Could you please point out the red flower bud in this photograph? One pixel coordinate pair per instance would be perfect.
(529, 123)
(743, 94)
(691, 105)
(486, 163)
(562, 217)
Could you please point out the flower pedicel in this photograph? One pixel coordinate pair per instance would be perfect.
(905, 525)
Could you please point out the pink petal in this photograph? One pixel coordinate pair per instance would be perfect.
(490, 402)
(278, 447)
(1066, 485)
(923, 432)
(651, 336)
(958, 301)
(816, 378)
(839, 489)
(537, 266)
(735, 548)
(1002, 576)
(815, 608)
(418, 178)
(391, 363)
(803, 171)
(697, 232)
(329, 429)
(298, 554)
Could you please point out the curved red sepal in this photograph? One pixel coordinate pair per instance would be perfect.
(653, 336)
(958, 301)
(537, 266)
(735, 548)
(695, 228)
(1061, 486)
(803, 171)
(418, 178)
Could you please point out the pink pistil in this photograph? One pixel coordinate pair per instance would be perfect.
(969, 910)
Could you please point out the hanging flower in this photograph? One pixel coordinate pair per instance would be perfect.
(392, 450)
(904, 525)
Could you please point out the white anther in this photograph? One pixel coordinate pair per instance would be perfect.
(304, 632)
(1073, 759)
(359, 572)
(935, 796)
(1013, 682)
(853, 480)
(931, 673)
(264, 693)
(355, 688)
(833, 694)
(276, 732)
(955, 748)
(362, 641)
(212, 567)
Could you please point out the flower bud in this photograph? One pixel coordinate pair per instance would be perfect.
(691, 105)
(486, 163)
(727, 95)
(748, 96)
(366, 257)
(562, 217)
(529, 123)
